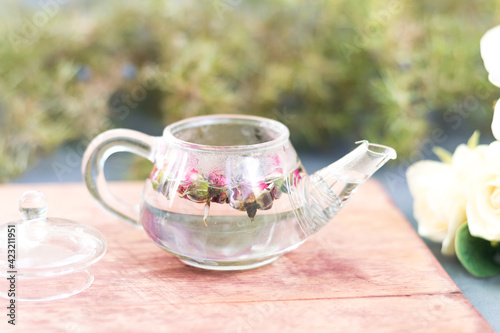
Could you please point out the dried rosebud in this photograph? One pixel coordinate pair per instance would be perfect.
(296, 176)
(284, 187)
(276, 193)
(191, 176)
(181, 189)
(155, 177)
(276, 188)
(236, 204)
(241, 196)
(216, 179)
(236, 199)
(251, 208)
(266, 197)
(217, 195)
(250, 204)
(246, 191)
(260, 187)
(164, 188)
(194, 187)
(197, 191)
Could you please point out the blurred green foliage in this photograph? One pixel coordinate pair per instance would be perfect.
(330, 70)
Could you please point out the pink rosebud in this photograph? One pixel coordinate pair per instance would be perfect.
(240, 196)
(191, 176)
(261, 187)
(216, 179)
(245, 190)
(296, 177)
(265, 197)
(275, 193)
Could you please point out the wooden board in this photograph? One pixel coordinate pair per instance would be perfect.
(366, 271)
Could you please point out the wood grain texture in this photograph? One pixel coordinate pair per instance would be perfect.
(366, 271)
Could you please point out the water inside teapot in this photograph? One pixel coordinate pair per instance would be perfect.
(229, 235)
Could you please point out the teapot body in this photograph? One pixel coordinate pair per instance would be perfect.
(219, 193)
(228, 192)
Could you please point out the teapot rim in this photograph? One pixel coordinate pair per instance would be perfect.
(274, 125)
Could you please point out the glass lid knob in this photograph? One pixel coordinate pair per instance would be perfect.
(33, 205)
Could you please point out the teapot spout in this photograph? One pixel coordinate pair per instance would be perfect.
(325, 192)
(360, 164)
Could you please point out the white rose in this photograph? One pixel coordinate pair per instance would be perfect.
(483, 197)
(438, 201)
(465, 161)
(439, 192)
(483, 204)
(490, 52)
(492, 154)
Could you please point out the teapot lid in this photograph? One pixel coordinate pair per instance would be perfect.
(46, 258)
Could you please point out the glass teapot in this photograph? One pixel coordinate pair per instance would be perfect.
(228, 192)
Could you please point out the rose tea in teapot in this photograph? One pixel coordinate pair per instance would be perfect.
(228, 192)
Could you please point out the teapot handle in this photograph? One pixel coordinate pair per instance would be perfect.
(98, 151)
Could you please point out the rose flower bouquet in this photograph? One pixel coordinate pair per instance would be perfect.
(457, 200)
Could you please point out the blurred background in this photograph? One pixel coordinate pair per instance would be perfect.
(403, 73)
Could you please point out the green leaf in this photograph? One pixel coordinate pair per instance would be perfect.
(444, 155)
(474, 140)
(476, 254)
